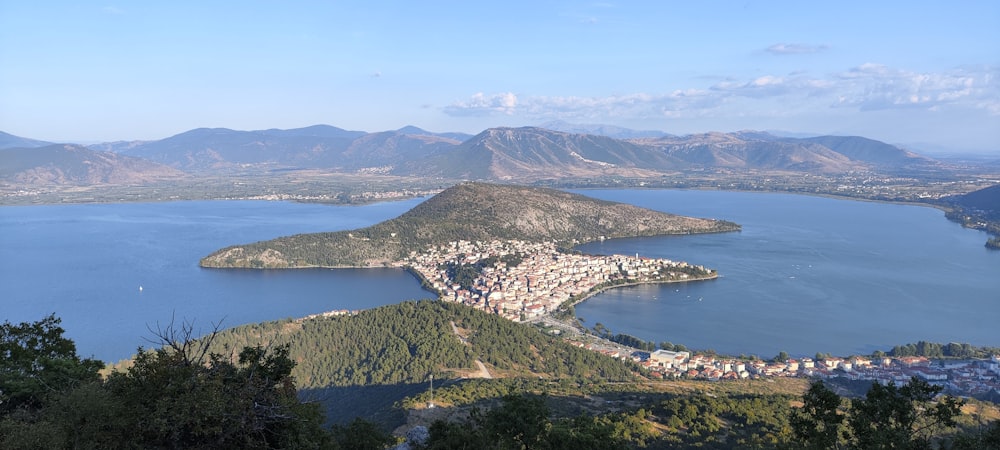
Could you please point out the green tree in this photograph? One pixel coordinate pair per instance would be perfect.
(361, 435)
(182, 396)
(36, 361)
(817, 424)
(901, 417)
(522, 422)
(985, 439)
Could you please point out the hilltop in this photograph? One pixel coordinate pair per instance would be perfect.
(472, 212)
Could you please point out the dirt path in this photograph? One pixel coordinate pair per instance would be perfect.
(483, 372)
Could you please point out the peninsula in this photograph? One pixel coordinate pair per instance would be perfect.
(501, 248)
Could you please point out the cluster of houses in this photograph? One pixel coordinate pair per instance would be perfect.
(543, 278)
(960, 377)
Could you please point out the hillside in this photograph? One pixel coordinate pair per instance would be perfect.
(985, 200)
(535, 153)
(213, 149)
(871, 151)
(762, 151)
(66, 164)
(409, 341)
(366, 363)
(472, 212)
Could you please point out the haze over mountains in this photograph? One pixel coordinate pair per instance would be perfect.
(517, 154)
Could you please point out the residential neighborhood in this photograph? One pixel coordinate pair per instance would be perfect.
(521, 280)
(962, 377)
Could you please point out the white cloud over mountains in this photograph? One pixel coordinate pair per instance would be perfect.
(483, 105)
(867, 87)
(876, 87)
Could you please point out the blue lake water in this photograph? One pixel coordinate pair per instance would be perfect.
(806, 274)
(86, 263)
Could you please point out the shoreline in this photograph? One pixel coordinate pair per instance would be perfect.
(600, 289)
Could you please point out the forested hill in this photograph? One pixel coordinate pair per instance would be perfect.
(472, 212)
(409, 341)
(364, 364)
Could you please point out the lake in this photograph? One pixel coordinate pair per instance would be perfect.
(86, 263)
(806, 274)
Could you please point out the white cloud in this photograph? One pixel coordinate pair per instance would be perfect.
(875, 87)
(867, 87)
(794, 49)
(113, 10)
(481, 105)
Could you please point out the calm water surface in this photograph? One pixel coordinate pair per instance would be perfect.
(86, 263)
(807, 274)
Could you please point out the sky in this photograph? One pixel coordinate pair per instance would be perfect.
(923, 74)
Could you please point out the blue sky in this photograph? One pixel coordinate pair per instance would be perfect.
(923, 74)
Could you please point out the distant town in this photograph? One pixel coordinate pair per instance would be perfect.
(967, 377)
(522, 281)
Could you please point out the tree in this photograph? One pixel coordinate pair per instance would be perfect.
(817, 424)
(522, 422)
(182, 396)
(361, 435)
(903, 417)
(177, 396)
(36, 361)
(781, 357)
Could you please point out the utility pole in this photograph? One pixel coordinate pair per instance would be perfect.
(430, 404)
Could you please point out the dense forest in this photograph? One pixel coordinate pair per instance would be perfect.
(410, 341)
(471, 212)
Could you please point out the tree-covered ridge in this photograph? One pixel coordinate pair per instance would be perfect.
(410, 341)
(471, 212)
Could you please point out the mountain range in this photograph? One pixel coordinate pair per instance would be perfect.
(510, 154)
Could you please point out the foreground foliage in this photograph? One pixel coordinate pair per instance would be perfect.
(201, 394)
(524, 422)
(177, 396)
(888, 417)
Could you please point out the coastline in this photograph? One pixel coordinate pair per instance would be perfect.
(599, 289)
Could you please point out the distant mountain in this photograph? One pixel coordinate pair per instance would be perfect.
(524, 154)
(68, 164)
(319, 146)
(871, 151)
(10, 141)
(610, 131)
(745, 150)
(409, 129)
(468, 211)
(537, 153)
(208, 149)
(393, 152)
(117, 146)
